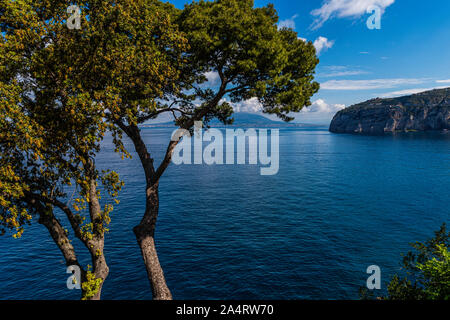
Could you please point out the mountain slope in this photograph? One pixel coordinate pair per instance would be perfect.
(424, 111)
(241, 120)
(249, 119)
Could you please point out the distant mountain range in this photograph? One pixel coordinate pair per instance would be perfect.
(424, 111)
(241, 120)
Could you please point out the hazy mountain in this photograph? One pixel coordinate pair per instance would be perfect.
(241, 119)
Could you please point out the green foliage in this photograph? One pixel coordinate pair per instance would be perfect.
(91, 285)
(112, 183)
(131, 61)
(152, 59)
(50, 128)
(251, 56)
(437, 274)
(127, 57)
(428, 271)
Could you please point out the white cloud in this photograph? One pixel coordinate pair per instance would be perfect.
(319, 112)
(443, 81)
(213, 77)
(368, 84)
(335, 68)
(250, 106)
(288, 23)
(339, 71)
(407, 92)
(343, 74)
(320, 106)
(346, 8)
(322, 44)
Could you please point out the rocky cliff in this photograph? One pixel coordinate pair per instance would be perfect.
(419, 112)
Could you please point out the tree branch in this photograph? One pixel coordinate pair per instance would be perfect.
(133, 132)
(235, 88)
(168, 109)
(165, 163)
(59, 236)
(169, 152)
(70, 216)
(56, 230)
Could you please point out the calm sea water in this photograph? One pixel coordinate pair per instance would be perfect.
(339, 204)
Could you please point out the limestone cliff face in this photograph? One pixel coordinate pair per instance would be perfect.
(420, 112)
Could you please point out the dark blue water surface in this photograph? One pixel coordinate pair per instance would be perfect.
(339, 204)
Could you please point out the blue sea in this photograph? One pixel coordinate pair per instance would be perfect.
(339, 204)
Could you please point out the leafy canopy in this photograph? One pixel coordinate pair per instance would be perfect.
(50, 128)
(428, 271)
(151, 58)
(251, 57)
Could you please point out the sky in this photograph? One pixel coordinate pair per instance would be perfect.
(408, 52)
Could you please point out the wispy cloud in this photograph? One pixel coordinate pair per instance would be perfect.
(407, 92)
(335, 68)
(322, 44)
(345, 8)
(443, 81)
(339, 71)
(368, 84)
(343, 74)
(288, 23)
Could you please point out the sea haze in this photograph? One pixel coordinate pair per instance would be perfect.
(240, 120)
(339, 204)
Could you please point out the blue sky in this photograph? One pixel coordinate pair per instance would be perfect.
(410, 53)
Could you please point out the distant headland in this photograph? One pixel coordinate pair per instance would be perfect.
(426, 111)
(241, 120)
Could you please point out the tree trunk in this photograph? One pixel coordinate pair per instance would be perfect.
(145, 231)
(100, 268)
(59, 236)
(96, 246)
(145, 236)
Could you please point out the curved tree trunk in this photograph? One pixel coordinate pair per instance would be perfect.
(97, 244)
(100, 268)
(59, 236)
(145, 231)
(145, 236)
